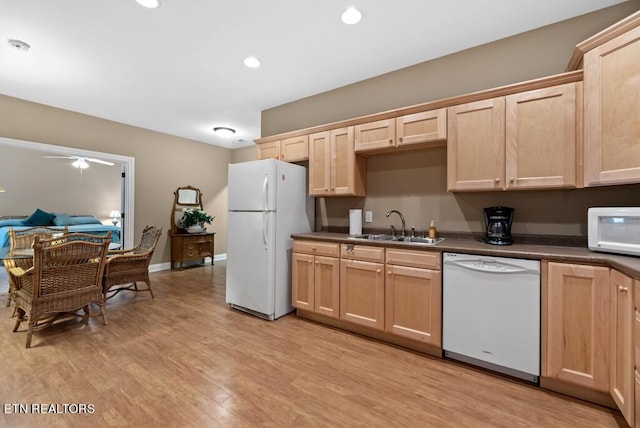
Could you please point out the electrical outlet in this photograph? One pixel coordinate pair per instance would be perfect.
(368, 216)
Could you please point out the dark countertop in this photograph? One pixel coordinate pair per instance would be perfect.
(627, 264)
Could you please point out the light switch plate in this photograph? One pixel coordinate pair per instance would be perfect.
(368, 216)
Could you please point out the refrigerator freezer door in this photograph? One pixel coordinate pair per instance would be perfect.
(252, 186)
(250, 264)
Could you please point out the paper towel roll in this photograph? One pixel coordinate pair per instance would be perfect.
(355, 222)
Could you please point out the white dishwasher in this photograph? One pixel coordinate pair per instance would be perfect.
(491, 313)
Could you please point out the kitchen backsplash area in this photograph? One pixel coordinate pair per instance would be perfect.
(415, 183)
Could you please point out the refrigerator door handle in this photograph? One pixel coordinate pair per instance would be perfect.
(265, 194)
(264, 228)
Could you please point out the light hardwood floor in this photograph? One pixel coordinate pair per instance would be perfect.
(185, 359)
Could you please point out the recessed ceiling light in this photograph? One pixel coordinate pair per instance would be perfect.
(151, 4)
(351, 16)
(19, 45)
(252, 62)
(223, 131)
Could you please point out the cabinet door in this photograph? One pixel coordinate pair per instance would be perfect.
(320, 164)
(295, 149)
(413, 306)
(621, 343)
(475, 149)
(327, 286)
(424, 127)
(269, 150)
(541, 138)
(362, 293)
(577, 325)
(348, 171)
(302, 281)
(376, 135)
(612, 123)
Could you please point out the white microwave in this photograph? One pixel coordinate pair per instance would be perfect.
(614, 230)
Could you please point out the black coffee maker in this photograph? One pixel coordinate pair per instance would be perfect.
(497, 221)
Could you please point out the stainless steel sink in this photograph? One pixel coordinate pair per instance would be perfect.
(375, 237)
(427, 241)
(406, 240)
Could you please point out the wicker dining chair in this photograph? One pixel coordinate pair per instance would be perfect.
(23, 240)
(66, 276)
(124, 268)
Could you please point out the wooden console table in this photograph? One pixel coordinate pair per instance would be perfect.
(191, 246)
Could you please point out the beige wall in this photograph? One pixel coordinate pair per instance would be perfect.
(162, 162)
(244, 154)
(415, 182)
(57, 186)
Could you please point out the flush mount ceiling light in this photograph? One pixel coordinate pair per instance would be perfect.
(351, 16)
(252, 62)
(223, 131)
(19, 45)
(151, 4)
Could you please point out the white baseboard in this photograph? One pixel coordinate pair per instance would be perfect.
(167, 265)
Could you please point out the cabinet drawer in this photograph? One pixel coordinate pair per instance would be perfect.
(198, 248)
(316, 247)
(424, 259)
(197, 239)
(362, 252)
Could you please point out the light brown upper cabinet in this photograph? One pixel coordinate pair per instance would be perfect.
(475, 148)
(612, 123)
(334, 168)
(522, 141)
(416, 130)
(294, 149)
(541, 138)
(270, 150)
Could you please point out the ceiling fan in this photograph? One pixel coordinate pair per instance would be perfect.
(81, 161)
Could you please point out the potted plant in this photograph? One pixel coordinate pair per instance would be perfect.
(193, 219)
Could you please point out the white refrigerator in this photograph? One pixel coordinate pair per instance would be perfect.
(268, 201)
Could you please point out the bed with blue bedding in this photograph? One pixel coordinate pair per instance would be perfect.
(75, 224)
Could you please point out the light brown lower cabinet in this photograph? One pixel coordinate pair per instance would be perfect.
(315, 277)
(621, 343)
(576, 309)
(413, 295)
(362, 285)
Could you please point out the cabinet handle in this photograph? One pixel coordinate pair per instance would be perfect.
(621, 288)
(316, 263)
(313, 248)
(497, 180)
(390, 141)
(389, 272)
(310, 262)
(378, 271)
(512, 179)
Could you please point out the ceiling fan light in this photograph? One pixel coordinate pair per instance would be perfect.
(80, 163)
(223, 131)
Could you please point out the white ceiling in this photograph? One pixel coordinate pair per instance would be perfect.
(179, 69)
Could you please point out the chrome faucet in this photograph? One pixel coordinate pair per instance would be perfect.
(402, 232)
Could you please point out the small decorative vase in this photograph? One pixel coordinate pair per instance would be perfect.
(196, 228)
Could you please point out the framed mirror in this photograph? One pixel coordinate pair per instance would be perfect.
(184, 197)
(188, 196)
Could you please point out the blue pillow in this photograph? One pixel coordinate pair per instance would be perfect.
(83, 219)
(40, 218)
(62, 220)
(12, 222)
